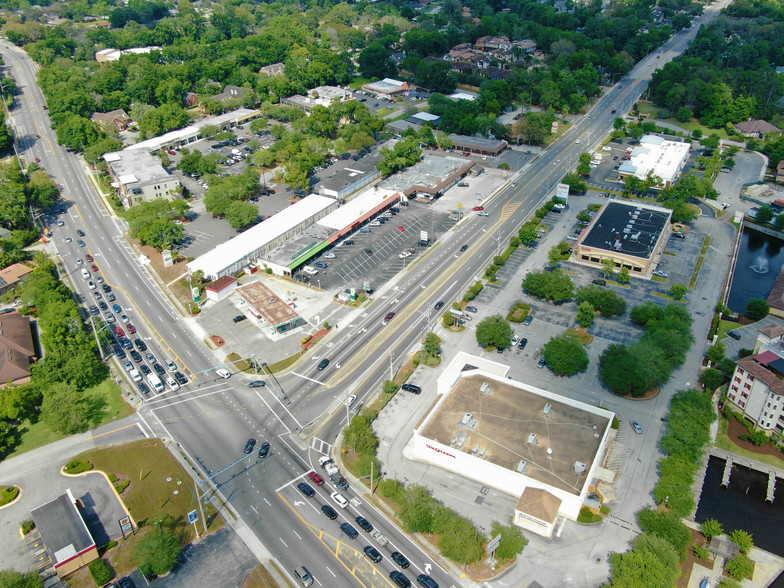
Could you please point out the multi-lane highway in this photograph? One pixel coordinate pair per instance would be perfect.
(212, 418)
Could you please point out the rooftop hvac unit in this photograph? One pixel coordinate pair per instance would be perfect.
(549, 452)
(548, 409)
(485, 388)
(483, 453)
(522, 467)
(579, 467)
(466, 419)
(532, 439)
(475, 450)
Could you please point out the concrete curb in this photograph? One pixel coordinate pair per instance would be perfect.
(15, 500)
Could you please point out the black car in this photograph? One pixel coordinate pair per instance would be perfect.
(257, 384)
(181, 379)
(322, 364)
(159, 369)
(136, 356)
(249, 446)
(110, 297)
(348, 242)
(350, 531)
(306, 489)
(400, 579)
(364, 524)
(439, 305)
(106, 288)
(239, 318)
(734, 335)
(372, 554)
(413, 388)
(140, 345)
(94, 310)
(599, 282)
(523, 342)
(463, 248)
(368, 251)
(125, 582)
(119, 351)
(329, 511)
(145, 369)
(102, 305)
(126, 343)
(144, 388)
(80, 232)
(264, 449)
(400, 559)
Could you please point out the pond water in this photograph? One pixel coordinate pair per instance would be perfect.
(760, 259)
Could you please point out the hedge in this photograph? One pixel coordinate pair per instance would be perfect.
(473, 292)
(519, 312)
(77, 466)
(100, 571)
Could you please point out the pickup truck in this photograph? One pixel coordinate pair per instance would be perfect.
(339, 480)
(331, 468)
(379, 538)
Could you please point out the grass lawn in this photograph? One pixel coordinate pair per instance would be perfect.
(150, 496)
(107, 395)
(724, 442)
(358, 82)
(725, 326)
(581, 336)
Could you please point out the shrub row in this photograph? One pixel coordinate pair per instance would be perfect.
(519, 312)
(473, 292)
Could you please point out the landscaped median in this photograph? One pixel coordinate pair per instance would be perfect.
(155, 490)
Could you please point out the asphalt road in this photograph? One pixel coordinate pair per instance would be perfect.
(211, 418)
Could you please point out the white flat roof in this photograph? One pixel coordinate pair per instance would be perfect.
(462, 96)
(357, 207)
(657, 155)
(229, 252)
(191, 130)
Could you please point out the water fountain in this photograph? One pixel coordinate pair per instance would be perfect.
(761, 267)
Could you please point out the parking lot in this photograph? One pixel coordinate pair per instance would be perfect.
(375, 256)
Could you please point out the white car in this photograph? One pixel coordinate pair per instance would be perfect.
(339, 499)
(660, 274)
(404, 255)
(351, 400)
(173, 385)
(571, 237)
(223, 373)
(484, 213)
(374, 224)
(330, 256)
(91, 285)
(170, 365)
(515, 339)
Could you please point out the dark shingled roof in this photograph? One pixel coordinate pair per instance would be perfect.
(627, 228)
(62, 528)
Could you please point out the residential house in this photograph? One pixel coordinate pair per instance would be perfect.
(487, 43)
(231, 93)
(757, 128)
(114, 118)
(17, 349)
(190, 99)
(12, 276)
(273, 69)
(139, 176)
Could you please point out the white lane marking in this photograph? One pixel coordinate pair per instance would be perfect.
(284, 543)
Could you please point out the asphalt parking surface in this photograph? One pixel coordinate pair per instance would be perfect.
(353, 266)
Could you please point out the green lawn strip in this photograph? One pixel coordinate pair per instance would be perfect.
(668, 297)
(724, 442)
(696, 273)
(150, 496)
(659, 279)
(358, 83)
(38, 434)
(725, 326)
(705, 244)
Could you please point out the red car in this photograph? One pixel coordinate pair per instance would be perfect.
(317, 480)
(478, 208)
(119, 331)
(46, 107)
(131, 328)
(89, 257)
(94, 267)
(389, 317)
(37, 160)
(171, 152)
(401, 227)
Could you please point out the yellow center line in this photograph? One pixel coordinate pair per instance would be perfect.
(112, 431)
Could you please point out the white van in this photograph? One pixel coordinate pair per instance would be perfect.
(309, 269)
(155, 383)
(85, 274)
(135, 375)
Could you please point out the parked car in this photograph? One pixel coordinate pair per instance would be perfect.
(239, 318)
(734, 335)
(413, 388)
(636, 426)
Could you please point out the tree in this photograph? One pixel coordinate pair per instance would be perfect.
(742, 539)
(161, 234)
(757, 308)
(603, 300)
(494, 331)
(512, 540)
(711, 141)
(584, 216)
(739, 567)
(716, 352)
(711, 378)
(241, 214)
(528, 233)
(678, 291)
(625, 276)
(576, 185)
(608, 266)
(64, 409)
(765, 214)
(585, 314)
(565, 355)
(554, 256)
(556, 285)
(158, 550)
(416, 512)
(13, 579)
(374, 62)
(668, 526)
(652, 562)
(432, 344)
(712, 528)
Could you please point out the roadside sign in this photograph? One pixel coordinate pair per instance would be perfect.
(493, 545)
(193, 516)
(126, 526)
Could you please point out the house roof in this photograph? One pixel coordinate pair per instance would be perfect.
(539, 504)
(756, 126)
(273, 69)
(16, 347)
(221, 283)
(13, 273)
(772, 331)
(231, 92)
(62, 528)
(762, 373)
(110, 116)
